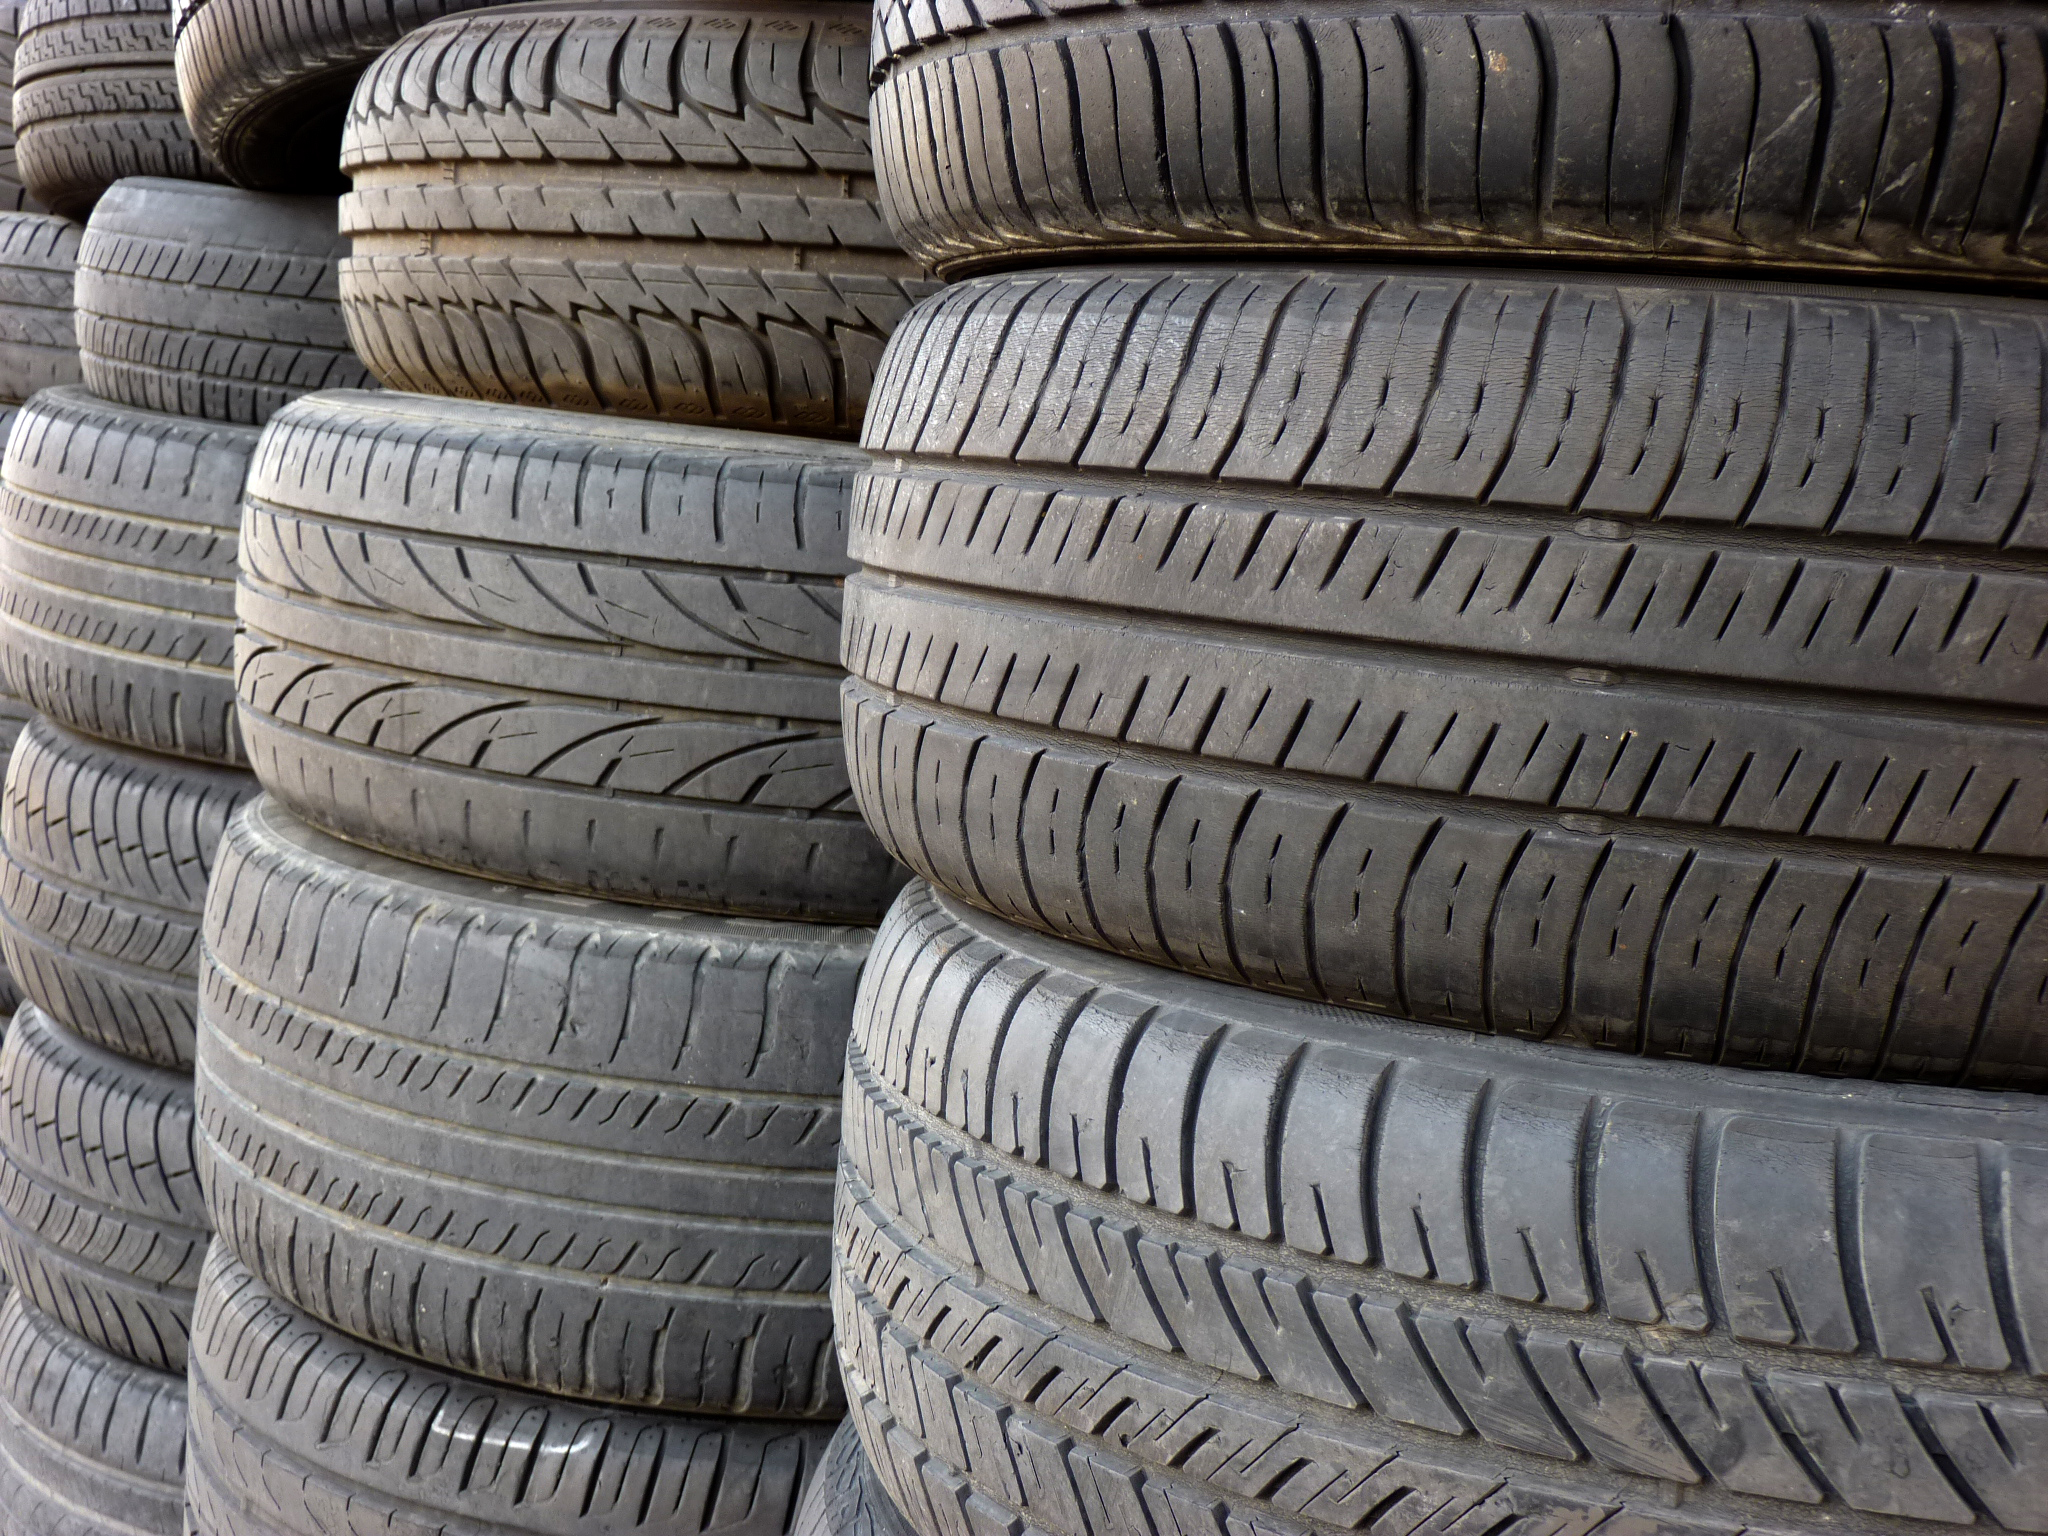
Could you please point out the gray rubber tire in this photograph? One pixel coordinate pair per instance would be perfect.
(13, 195)
(38, 341)
(1648, 665)
(1164, 1244)
(90, 1444)
(686, 230)
(612, 669)
(117, 571)
(211, 302)
(291, 1422)
(403, 1138)
(95, 101)
(846, 1498)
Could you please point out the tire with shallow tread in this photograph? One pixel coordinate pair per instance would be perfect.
(846, 1498)
(13, 195)
(38, 340)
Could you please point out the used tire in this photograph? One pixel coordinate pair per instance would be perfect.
(102, 1223)
(1826, 136)
(671, 213)
(846, 1498)
(117, 571)
(1655, 667)
(38, 342)
(610, 667)
(291, 1421)
(95, 101)
(90, 1444)
(401, 1135)
(13, 194)
(211, 302)
(104, 857)
(1163, 1244)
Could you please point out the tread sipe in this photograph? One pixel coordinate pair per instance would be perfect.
(845, 1497)
(648, 210)
(1116, 1244)
(564, 1145)
(38, 342)
(1845, 136)
(1655, 667)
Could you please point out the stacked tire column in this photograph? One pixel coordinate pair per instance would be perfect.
(528, 980)
(1481, 959)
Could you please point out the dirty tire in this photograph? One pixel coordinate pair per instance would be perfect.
(1391, 639)
(211, 302)
(95, 101)
(1853, 137)
(38, 344)
(635, 1209)
(1145, 1231)
(846, 1498)
(117, 571)
(611, 668)
(13, 195)
(671, 214)
(90, 1444)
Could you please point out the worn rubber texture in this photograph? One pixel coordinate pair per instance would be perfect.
(1847, 136)
(845, 1497)
(104, 858)
(648, 209)
(13, 195)
(1164, 1244)
(117, 571)
(95, 101)
(102, 1222)
(90, 1444)
(291, 1422)
(38, 345)
(405, 1134)
(1657, 667)
(610, 666)
(210, 301)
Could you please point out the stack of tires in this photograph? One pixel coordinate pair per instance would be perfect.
(1481, 953)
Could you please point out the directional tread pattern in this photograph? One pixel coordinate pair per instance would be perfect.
(845, 1497)
(38, 345)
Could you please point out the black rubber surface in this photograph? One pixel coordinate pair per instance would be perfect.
(38, 343)
(846, 1498)
(1843, 135)
(1658, 667)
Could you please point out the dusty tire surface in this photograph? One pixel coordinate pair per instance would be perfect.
(210, 301)
(404, 1139)
(1546, 656)
(13, 195)
(671, 214)
(611, 667)
(38, 341)
(1834, 137)
(1164, 1243)
(846, 1498)
(380, 1440)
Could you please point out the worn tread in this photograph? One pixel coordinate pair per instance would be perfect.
(846, 1498)
(38, 342)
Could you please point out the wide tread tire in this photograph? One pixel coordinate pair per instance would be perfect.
(13, 195)
(96, 101)
(611, 667)
(104, 858)
(400, 1134)
(1656, 667)
(210, 301)
(671, 213)
(90, 1444)
(38, 341)
(846, 1497)
(1164, 1244)
(292, 1422)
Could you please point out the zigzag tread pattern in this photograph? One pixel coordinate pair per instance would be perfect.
(846, 1498)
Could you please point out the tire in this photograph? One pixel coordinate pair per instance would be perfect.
(688, 231)
(426, 1450)
(38, 345)
(95, 101)
(673, 591)
(1169, 1245)
(211, 302)
(13, 195)
(1779, 134)
(90, 1444)
(102, 1223)
(117, 571)
(1483, 703)
(403, 1138)
(846, 1498)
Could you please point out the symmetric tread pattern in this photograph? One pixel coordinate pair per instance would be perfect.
(846, 1498)
(117, 571)
(1850, 136)
(1654, 667)
(211, 302)
(581, 1149)
(590, 655)
(647, 210)
(102, 1222)
(1114, 1242)
(104, 858)
(90, 1444)
(38, 341)
(13, 195)
(96, 101)
(301, 1431)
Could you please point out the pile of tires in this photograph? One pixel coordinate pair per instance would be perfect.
(1480, 951)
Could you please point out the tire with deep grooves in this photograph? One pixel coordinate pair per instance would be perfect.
(38, 341)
